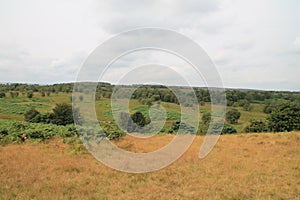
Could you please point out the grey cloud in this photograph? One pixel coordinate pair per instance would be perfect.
(124, 15)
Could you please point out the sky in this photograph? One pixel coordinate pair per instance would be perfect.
(253, 43)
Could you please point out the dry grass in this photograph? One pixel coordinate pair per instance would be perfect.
(245, 166)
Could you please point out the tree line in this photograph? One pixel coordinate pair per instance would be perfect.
(152, 93)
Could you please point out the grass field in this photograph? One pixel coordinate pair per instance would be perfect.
(14, 108)
(242, 166)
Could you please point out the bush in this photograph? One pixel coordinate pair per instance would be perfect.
(232, 116)
(63, 114)
(31, 115)
(16, 131)
(2, 95)
(285, 117)
(185, 128)
(270, 107)
(29, 95)
(139, 119)
(256, 126)
(227, 129)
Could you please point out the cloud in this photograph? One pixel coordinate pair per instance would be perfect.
(253, 43)
(116, 16)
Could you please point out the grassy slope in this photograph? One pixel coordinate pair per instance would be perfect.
(14, 108)
(243, 166)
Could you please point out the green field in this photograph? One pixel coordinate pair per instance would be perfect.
(14, 108)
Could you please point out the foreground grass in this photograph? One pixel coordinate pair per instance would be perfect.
(243, 166)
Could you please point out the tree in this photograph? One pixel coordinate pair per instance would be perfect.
(285, 117)
(139, 119)
(30, 95)
(227, 129)
(184, 128)
(132, 123)
(63, 114)
(256, 126)
(270, 107)
(31, 115)
(232, 116)
(2, 95)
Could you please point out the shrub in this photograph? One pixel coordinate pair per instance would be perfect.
(256, 126)
(270, 106)
(31, 115)
(2, 95)
(285, 117)
(139, 119)
(29, 95)
(227, 129)
(16, 131)
(63, 114)
(185, 128)
(232, 116)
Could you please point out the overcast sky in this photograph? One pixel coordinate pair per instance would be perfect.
(253, 43)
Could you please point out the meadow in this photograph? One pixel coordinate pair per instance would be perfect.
(242, 166)
(15, 108)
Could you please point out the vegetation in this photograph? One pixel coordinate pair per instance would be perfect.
(256, 126)
(232, 116)
(62, 115)
(285, 117)
(16, 131)
(248, 110)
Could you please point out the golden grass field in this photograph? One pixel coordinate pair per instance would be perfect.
(242, 166)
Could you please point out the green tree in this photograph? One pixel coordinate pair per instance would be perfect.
(270, 107)
(285, 117)
(232, 116)
(63, 114)
(139, 119)
(256, 126)
(184, 128)
(31, 115)
(30, 95)
(227, 129)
